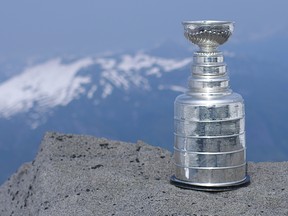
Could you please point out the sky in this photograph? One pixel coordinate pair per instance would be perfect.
(34, 28)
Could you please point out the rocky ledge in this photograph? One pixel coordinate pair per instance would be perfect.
(84, 175)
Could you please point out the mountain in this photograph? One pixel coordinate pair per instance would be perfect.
(130, 96)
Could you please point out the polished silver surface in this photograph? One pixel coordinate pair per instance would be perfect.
(209, 119)
(207, 34)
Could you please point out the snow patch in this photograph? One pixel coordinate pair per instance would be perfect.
(142, 61)
(49, 84)
(172, 87)
(108, 89)
(154, 71)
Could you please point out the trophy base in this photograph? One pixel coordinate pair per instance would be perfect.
(209, 188)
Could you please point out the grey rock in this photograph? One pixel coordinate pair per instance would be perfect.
(84, 175)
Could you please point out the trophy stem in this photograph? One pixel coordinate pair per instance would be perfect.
(209, 75)
(208, 49)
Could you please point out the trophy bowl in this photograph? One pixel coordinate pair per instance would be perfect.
(208, 35)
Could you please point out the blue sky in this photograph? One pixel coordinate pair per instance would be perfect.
(65, 27)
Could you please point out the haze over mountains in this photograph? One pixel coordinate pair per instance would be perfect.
(129, 96)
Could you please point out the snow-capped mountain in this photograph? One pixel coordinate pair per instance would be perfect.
(43, 87)
(54, 83)
(128, 97)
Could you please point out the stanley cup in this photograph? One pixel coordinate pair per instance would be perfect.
(209, 119)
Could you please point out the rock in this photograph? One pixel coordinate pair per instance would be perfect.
(84, 175)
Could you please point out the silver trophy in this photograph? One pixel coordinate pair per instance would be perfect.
(209, 119)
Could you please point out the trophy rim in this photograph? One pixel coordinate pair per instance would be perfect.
(208, 22)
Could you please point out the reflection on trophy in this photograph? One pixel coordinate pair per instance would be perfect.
(209, 119)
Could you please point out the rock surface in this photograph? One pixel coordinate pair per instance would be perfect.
(83, 175)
